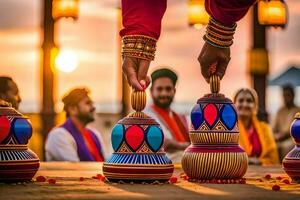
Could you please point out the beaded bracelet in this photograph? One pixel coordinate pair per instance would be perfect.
(139, 46)
(219, 35)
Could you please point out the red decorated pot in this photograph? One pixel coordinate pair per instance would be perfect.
(291, 162)
(17, 162)
(214, 152)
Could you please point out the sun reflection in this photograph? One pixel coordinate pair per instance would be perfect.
(66, 61)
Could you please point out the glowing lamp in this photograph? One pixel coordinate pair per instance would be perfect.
(272, 13)
(65, 8)
(197, 14)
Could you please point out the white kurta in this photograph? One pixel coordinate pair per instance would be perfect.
(174, 156)
(61, 146)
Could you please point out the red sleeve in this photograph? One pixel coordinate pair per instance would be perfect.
(142, 17)
(228, 11)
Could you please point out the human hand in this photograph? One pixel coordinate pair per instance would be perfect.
(135, 71)
(213, 60)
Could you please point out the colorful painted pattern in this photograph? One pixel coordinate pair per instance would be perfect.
(17, 162)
(138, 173)
(14, 130)
(214, 152)
(214, 117)
(138, 153)
(137, 138)
(295, 130)
(291, 162)
(4, 128)
(137, 159)
(214, 138)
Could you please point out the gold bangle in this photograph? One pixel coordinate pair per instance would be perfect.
(139, 46)
(219, 35)
(219, 42)
(213, 21)
(219, 39)
(230, 37)
(214, 28)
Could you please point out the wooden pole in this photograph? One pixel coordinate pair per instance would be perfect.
(125, 88)
(47, 74)
(259, 67)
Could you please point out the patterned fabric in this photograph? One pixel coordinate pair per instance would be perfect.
(88, 145)
(269, 154)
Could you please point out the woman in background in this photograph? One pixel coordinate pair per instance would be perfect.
(256, 136)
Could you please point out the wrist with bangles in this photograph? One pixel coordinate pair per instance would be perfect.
(139, 46)
(219, 35)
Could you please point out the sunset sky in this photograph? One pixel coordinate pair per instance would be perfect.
(94, 38)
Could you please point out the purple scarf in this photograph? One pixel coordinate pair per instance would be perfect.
(82, 150)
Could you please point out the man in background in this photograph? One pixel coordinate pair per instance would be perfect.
(283, 120)
(73, 140)
(9, 91)
(174, 125)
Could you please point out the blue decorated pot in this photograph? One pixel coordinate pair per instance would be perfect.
(17, 162)
(291, 162)
(137, 141)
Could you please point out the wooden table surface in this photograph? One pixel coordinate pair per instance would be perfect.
(68, 186)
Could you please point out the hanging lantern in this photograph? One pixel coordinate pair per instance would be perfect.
(65, 8)
(272, 13)
(197, 14)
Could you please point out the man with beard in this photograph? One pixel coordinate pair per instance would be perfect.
(9, 91)
(73, 141)
(174, 125)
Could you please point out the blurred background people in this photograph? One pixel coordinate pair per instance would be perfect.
(256, 136)
(174, 125)
(9, 91)
(283, 120)
(73, 140)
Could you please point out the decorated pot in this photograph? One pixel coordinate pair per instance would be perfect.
(291, 162)
(137, 141)
(17, 162)
(214, 152)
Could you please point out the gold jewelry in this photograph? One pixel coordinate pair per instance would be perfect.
(218, 41)
(215, 34)
(139, 46)
(219, 35)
